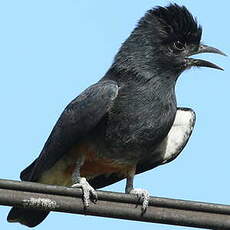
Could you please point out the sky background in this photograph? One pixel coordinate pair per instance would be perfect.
(50, 51)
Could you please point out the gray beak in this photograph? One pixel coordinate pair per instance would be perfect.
(209, 49)
(203, 63)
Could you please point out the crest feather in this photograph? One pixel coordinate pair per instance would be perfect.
(174, 23)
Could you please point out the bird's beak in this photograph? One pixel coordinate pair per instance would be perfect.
(203, 63)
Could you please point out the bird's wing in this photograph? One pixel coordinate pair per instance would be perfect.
(173, 143)
(78, 118)
(166, 151)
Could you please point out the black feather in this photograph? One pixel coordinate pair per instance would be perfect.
(28, 217)
(176, 23)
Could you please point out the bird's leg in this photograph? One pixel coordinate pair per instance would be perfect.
(89, 192)
(142, 194)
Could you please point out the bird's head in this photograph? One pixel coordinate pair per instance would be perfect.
(179, 37)
(165, 37)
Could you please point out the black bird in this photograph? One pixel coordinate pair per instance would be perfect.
(123, 124)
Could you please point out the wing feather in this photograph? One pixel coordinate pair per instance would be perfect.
(78, 118)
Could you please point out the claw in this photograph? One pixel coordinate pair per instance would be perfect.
(89, 192)
(143, 195)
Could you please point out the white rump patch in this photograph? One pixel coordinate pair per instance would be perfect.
(178, 135)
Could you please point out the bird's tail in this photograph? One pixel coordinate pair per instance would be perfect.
(28, 217)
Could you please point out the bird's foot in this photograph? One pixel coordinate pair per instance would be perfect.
(89, 192)
(143, 196)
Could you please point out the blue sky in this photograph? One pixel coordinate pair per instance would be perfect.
(50, 51)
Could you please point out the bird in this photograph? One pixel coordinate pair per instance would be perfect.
(127, 122)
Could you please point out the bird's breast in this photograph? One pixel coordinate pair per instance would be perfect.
(138, 122)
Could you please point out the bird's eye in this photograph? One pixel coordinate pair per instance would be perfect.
(179, 46)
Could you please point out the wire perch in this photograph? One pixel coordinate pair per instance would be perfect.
(114, 205)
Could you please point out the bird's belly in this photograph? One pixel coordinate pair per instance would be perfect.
(94, 165)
